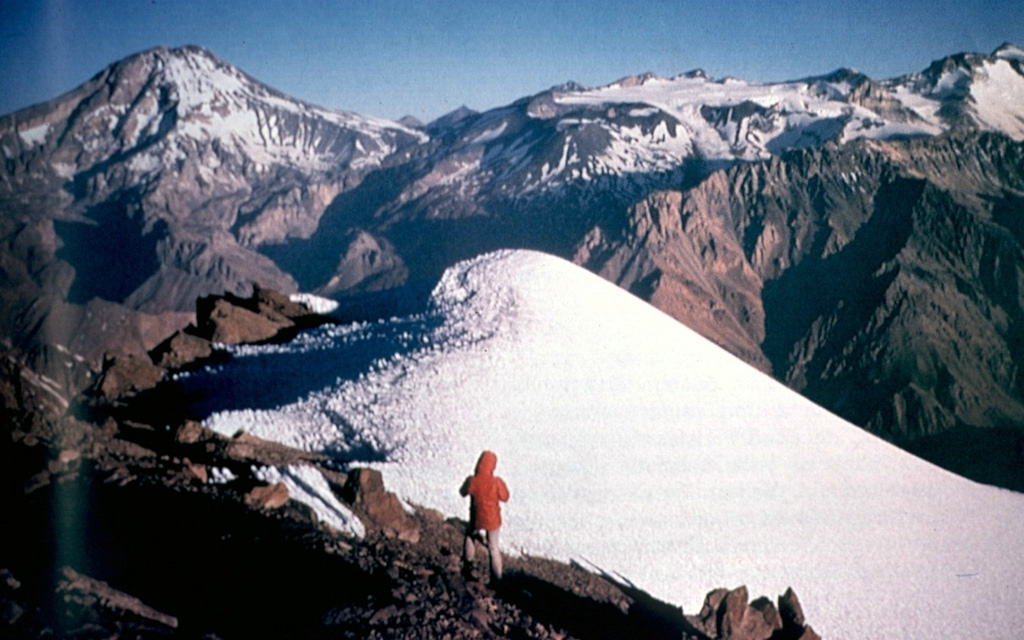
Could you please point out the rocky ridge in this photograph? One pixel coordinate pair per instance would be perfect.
(179, 503)
(265, 316)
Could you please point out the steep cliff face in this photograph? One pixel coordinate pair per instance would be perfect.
(688, 264)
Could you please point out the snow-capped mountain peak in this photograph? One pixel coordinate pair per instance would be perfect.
(213, 100)
(645, 125)
(969, 89)
(202, 159)
(1009, 51)
(635, 81)
(157, 107)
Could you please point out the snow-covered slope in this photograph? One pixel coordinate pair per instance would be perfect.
(631, 443)
(986, 91)
(733, 119)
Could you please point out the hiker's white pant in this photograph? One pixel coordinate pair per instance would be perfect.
(488, 539)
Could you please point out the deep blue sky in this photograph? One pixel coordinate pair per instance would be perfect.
(425, 58)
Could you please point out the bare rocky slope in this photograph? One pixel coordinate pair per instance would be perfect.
(858, 239)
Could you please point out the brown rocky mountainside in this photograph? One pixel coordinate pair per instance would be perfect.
(127, 198)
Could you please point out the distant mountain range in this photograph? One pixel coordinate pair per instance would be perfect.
(861, 240)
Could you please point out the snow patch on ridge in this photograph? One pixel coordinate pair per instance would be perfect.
(308, 486)
(35, 136)
(1009, 52)
(315, 303)
(998, 97)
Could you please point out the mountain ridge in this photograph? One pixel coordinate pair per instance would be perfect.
(172, 175)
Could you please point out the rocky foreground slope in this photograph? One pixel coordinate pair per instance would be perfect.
(120, 528)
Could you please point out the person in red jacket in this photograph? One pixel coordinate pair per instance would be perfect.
(486, 492)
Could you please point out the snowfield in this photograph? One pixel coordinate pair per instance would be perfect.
(632, 444)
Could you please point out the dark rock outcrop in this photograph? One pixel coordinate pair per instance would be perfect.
(727, 615)
(794, 626)
(271, 496)
(249, 450)
(365, 491)
(124, 377)
(227, 319)
(229, 323)
(89, 594)
(270, 302)
(181, 350)
(264, 316)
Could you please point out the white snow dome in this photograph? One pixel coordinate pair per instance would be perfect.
(633, 444)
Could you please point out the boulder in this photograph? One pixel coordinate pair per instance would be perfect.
(268, 300)
(180, 350)
(271, 496)
(763, 618)
(125, 376)
(196, 471)
(232, 319)
(365, 491)
(743, 621)
(794, 626)
(728, 615)
(336, 480)
(191, 432)
(707, 619)
(732, 613)
(790, 610)
(250, 449)
(222, 321)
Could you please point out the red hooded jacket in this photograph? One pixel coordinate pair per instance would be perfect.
(485, 491)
